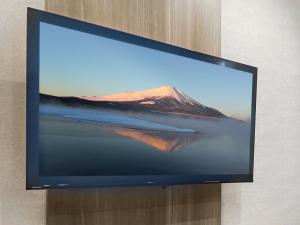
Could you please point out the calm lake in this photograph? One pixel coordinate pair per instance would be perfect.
(75, 147)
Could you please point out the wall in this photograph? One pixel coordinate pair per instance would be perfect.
(17, 206)
(266, 33)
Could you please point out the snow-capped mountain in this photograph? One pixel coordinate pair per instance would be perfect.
(158, 93)
(163, 99)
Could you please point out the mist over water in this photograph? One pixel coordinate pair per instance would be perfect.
(72, 142)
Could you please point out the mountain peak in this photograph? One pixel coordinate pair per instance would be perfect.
(163, 91)
(159, 92)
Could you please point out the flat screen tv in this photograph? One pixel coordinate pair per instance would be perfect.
(109, 108)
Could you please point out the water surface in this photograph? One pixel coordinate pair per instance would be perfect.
(75, 147)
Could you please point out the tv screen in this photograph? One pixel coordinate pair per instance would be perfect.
(108, 108)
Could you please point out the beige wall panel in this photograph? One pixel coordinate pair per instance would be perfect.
(17, 206)
(266, 33)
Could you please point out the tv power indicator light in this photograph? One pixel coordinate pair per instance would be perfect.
(62, 185)
(150, 182)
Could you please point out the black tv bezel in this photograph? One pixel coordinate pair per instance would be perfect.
(35, 181)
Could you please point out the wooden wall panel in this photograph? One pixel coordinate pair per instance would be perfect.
(189, 205)
(192, 24)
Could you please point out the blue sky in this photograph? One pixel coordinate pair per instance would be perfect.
(74, 63)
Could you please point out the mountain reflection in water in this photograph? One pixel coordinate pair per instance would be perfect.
(160, 140)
